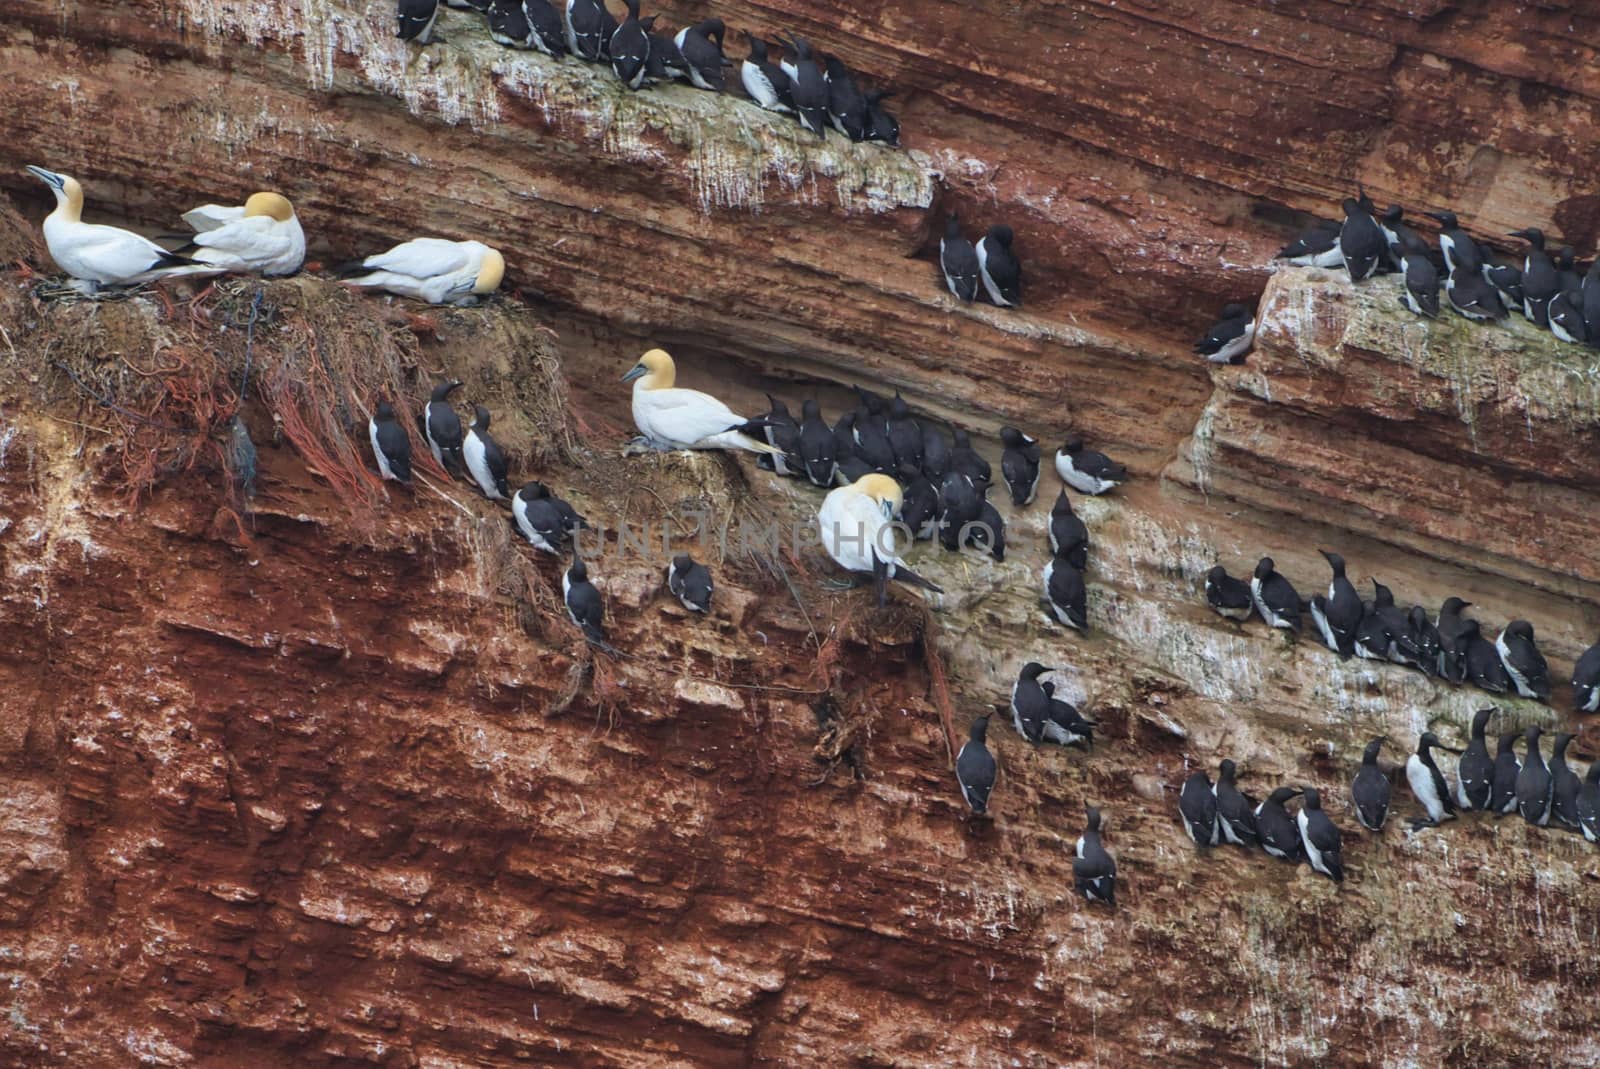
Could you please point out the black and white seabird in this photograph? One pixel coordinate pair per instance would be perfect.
(690, 582)
(1094, 872)
(701, 46)
(1586, 680)
(1507, 282)
(1503, 791)
(959, 505)
(630, 48)
(882, 126)
(1420, 287)
(870, 433)
(415, 20)
(1454, 638)
(589, 29)
(959, 261)
(1030, 705)
(1361, 241)
(970, 463)
(1230, 336)
(1197, 807)
(1427, 639)
(1566, 272)
(1564, 785)
(1319, 835)
(781, 431)
(486, 461)
(1316, 246)
(509, 25)
(1066, 597)
(1019, 465)
(999, 268)
(1228, 596)
(1236, 812)
(1540, 280)
(1566, 317)
(935, 452)
(1403, 646)
(1591, 301)
(1533, 782)
(1483, 666)
(1069, 537)
(1428, 785)
(1398, 235)
(441, 427)
(1472, 297)
(765, 81)
(809, 90)
(391, 446)
(1063, 724)
(541, 518)
(1342, 610)
(549, 35)
(905, 433)
(975, 767)
(1086, 470)
(1275, 597)
(1589, 803)
(1373, 637)
(1460, 252)
(919, 510)
(989, 534)
(1475, 770)
(1278, 831)
(1370, 790)
(847, 107)
(1525, 665)
(816, 445)
(583, 602)
(666, 62)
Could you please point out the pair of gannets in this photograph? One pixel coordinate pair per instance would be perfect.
(856, 521)
(260, 235)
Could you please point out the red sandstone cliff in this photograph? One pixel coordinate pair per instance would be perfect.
(338, 786)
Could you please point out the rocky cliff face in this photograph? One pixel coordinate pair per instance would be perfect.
(325, 779)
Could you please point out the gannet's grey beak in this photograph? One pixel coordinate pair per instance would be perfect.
(639, 371)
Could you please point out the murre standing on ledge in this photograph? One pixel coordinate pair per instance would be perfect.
(1340, 615)
(1533, 783)
(1087, 471)
(391, 446)
(856, 530)
(545, 521)
(1564, 785)
(1420, 289)
(1460, 252)
(583, 602)
(1370, 790)
(1315, 246)
(690, 582)
(1063, 724)
(630, 48)
(809, 90)
(999, 268)
(1230, 336)
(1320, 837)
(589, 29)
(1361, 241)
(1275, 597)
(1029, 703)
(764, 80)
(1483, 665)
(1278, 831)
(1524, 663)
(1094, 872)
(1236, 813)
(1197, 807)
(701, 45)
(1428, 784)
(1019, 465)
(1475, 770)
(415, 20)
(1540, 281)
(816, 445)
(509, 24)
(975, 768)
(1503, 793)
(441, 428)
(549, 34)
(847, 108)
(1453, 640)
(958, 260)
(783, 432)
(486, 461)
(1069, 537)
(1228, 596)
(1065, 595)
(1586, 678)
(1589, 803)
(670, 417)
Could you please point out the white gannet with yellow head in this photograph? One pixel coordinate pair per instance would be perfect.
(857, 527)
(432, 270)
(263, 234)
(669, 417)
(96, 255)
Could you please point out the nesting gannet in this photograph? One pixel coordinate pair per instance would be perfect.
(263, 234)
(856, 526)
(432, 270)
(97, 255)
(669, 417)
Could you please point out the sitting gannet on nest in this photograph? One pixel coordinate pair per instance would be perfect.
(856, 523)
(669, 417)
(263, 234)
(432, 270)
(96, 255)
